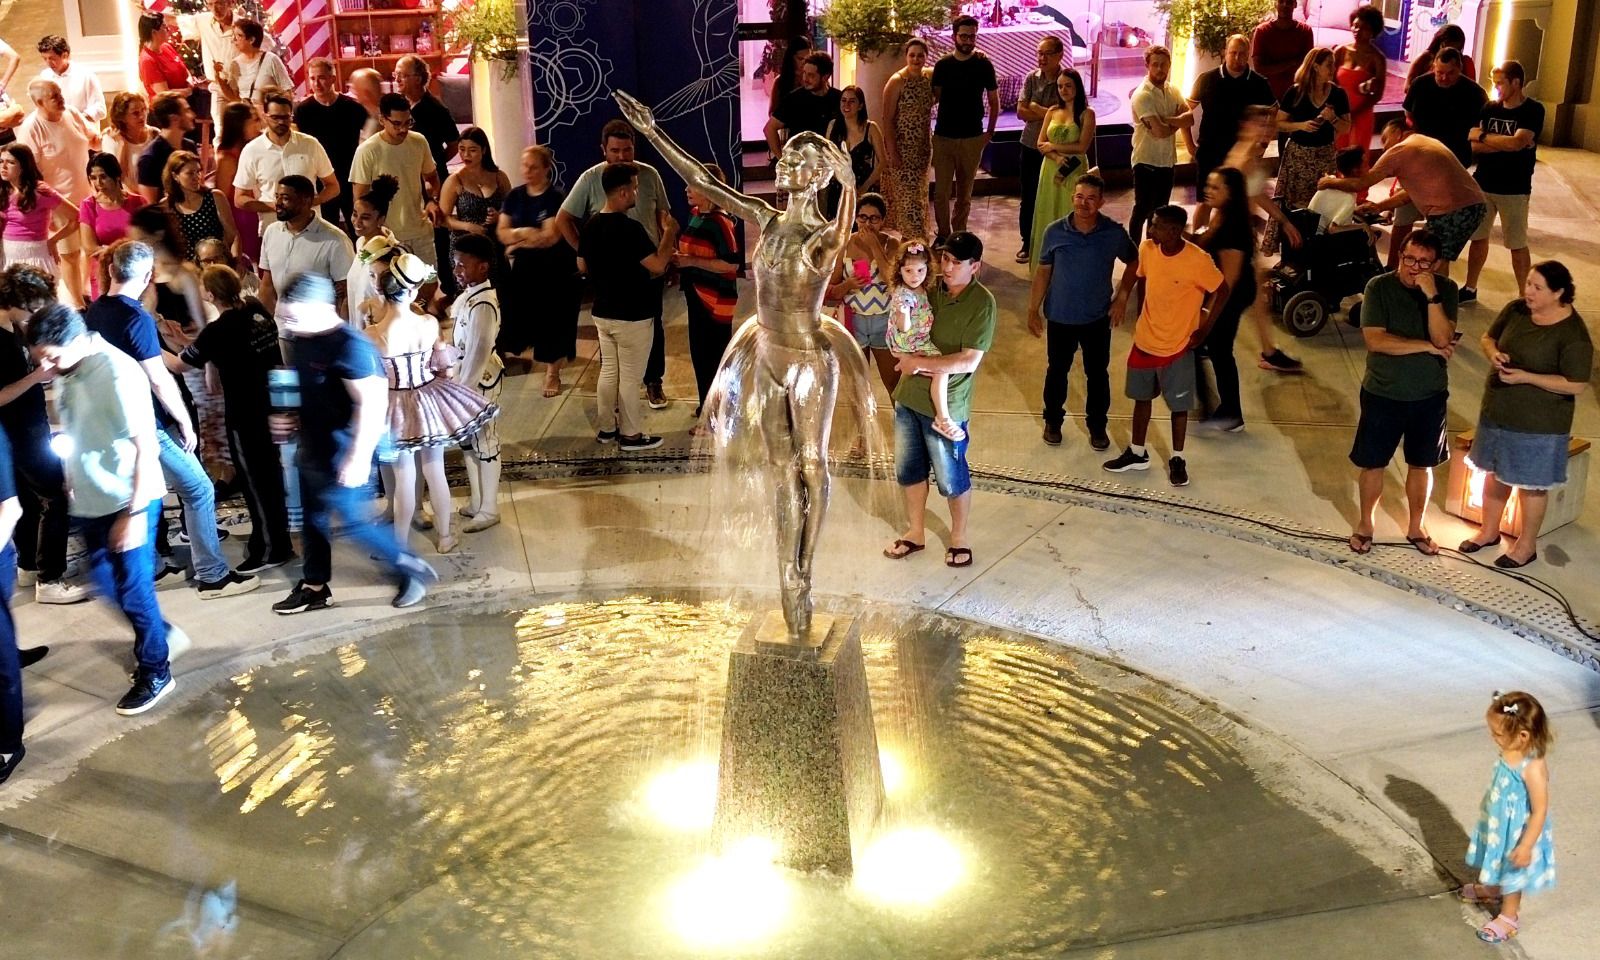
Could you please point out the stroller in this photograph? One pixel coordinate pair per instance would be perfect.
(1309, 283)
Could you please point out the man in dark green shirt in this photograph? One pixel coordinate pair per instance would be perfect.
(964, 316)
(1408, 319)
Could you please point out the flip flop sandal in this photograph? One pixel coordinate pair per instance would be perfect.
(1472, 546)
(1498, 930)
(901, 549)
(1424, 545)
(958, 557)
(1477, 893)
(1360, 543)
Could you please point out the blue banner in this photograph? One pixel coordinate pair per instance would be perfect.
(678, 56)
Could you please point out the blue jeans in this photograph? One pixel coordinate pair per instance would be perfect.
(10, 665)
(322, 497)
(199, 498)
(127, 579)
(919, 448)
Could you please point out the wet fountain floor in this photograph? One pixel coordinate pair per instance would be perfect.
(537, 784)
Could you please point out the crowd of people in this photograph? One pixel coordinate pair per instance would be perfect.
(232, 291)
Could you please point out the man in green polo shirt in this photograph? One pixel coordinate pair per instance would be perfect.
(964, 316)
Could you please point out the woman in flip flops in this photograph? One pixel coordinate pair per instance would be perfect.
(1511, 846)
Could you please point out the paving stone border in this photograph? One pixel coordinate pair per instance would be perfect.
(1508, 602)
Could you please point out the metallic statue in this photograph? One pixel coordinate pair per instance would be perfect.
(797, 351)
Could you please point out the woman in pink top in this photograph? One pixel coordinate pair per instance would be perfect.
(29, 205)
(103, 215)
(240, 125)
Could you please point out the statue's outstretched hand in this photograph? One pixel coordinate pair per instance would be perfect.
(839, 163)
(638, 114)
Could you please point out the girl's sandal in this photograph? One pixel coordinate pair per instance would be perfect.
(1498, 930)
(1478, 893)
(949, 429)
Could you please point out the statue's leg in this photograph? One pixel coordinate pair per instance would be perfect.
(813, 399)
(790, 498)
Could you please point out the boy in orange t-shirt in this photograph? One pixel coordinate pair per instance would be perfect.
(1179, 285)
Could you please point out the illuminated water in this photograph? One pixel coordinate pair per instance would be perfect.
(537, 785)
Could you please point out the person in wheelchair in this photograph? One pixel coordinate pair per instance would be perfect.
(1338, 257)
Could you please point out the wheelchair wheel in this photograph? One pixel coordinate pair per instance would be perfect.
(1305, 313)
(1354, 316)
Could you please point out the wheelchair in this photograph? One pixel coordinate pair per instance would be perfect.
(1310, 283)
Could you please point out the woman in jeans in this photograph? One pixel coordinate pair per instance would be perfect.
(863, 279)
(1231, 242)
(1540, 357)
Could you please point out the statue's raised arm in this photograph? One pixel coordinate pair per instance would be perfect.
(691, 170)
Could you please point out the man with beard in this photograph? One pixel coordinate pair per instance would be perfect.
(300, 241)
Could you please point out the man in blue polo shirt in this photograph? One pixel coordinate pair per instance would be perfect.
(1072, 290)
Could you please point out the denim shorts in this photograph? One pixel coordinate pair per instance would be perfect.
(918, 449)
(1531, 461)
(871, 330)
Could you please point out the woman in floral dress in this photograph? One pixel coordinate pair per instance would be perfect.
(907, 117)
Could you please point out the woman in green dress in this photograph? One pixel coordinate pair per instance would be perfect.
(1064, 139)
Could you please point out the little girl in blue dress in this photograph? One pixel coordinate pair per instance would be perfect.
(1511, 846)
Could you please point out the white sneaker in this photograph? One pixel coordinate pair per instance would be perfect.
(60, 591)
(482, 521)
(27, 578)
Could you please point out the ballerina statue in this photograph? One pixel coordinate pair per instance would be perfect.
(793, 350)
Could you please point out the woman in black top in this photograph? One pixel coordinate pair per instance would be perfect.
(544, 270)
(1231, 243)
(1311, 114)
(199, 211)
(860, 138)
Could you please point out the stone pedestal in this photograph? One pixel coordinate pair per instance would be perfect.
(799, 753)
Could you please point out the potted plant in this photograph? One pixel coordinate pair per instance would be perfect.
(1209, 23)
(875, 30)
(489, 32)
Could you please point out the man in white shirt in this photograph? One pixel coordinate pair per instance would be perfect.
(80, 86)
(279, 152)
(214, 28)
(299, 241)
(1159, 112)
(403, 154)
(61, 140)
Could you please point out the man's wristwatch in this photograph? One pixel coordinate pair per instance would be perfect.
(1436, 298)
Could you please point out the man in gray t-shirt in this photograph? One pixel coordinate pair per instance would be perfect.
(1034, 101)
(652, 211)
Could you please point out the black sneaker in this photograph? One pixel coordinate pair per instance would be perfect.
(145, 693)
(1178, 472)
(28, 656)
(1279, 361)
(229, 586)
(1099, 440)
(1128, 460)
(1022, 255)
(606, 436)
(256, 565)
(1052, 434)
(411, 593)
(9, 766)
(1467, 295)
(655, 396)
(640, 441)
(303, 598)
(167, 572)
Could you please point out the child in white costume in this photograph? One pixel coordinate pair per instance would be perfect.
(475, 323)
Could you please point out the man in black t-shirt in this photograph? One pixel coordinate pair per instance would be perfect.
(960, 80)
(336, 121)
(810, 106)
(173, 119)
(1505, 141)
(616, 253)
(344, 403)
(1445, 105)
(1222, 95)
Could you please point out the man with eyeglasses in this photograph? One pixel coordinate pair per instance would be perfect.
(431, 119)
(1432, 183)
(402, 153)
(281, 151)
(335, 121)
(1408, 320)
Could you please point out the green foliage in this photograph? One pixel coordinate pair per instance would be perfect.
(872, 26)
(487, 30)
(1209, 23)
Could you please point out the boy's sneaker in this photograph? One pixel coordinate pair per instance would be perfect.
(146, 692)
(1128, 460)
(1279, 361)
(303, 598)
(642, 441)
(167, 571)
(1178, 472)
(230, 585)
(59, 591)
(256, 564)
(1467, 295)
(606, 436)
(655, 396)
(27, 578)
(411, 593)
